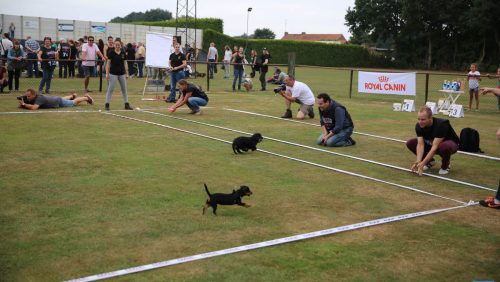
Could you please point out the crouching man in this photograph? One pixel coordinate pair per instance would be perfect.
(434, 136)
(336, 123)
(33, 101)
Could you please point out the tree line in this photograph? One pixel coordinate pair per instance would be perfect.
(431, 34)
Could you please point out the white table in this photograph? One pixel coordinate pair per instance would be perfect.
(450, 97)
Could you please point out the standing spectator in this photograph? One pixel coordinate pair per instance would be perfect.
(3, 77)
(12, 30)
(72, 58)
(6, 45)
(474, 77)
(140, 56)
(227, 61)
(117, 69)
(486, 90)
(131, 59)
(16, 63)
(177, 62)
(32, 47)
(109, 47)
(212, 59)
(253, 62)
(64, 54)
(48, 56)
(89, 51)
(238, 60)
(264, 58)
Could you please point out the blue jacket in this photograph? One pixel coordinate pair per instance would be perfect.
(335, 118)
(11, 54)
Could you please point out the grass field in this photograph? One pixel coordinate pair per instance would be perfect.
(85, 193)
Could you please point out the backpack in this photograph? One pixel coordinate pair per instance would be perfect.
(469, 140)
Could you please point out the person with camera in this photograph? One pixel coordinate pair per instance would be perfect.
(336, 123)
(15, 64)
(34, 101)
(298, 92)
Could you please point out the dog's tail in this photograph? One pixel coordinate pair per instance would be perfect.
(206, 189)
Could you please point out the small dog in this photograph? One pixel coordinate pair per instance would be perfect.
(244, 143)
(247, 83)
(226, 199)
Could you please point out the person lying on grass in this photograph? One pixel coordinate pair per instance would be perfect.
(34, 101)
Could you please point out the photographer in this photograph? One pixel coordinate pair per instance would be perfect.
(33, 101)
(336, 123)
(296, 91)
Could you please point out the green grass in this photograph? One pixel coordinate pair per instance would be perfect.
(86, 193)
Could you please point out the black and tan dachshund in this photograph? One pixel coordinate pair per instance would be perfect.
(244, 143)
(226, 199)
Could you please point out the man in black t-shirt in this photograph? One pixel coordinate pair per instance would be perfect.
(177, 62)
(434, 136)
(263, 68)
(192, 96)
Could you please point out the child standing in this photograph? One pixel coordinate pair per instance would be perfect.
(474, 77)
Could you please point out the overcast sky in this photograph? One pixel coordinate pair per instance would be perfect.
(294, 16)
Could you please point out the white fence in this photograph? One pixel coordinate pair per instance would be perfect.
(38, 28)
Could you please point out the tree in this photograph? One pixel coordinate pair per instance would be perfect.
(264, 33)
(431, 33)
(150, 15)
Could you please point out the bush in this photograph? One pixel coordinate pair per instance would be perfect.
(307, 53)
(204, 23)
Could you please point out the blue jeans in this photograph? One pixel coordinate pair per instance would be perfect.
(194, 103)
(174, 78)
(32, 63)
(337, 140)
(140, 64)
(46, 79)
(66, 103)
(211, 67)
(238, 74)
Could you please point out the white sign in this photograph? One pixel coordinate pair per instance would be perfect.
(98, 29)
(30, 24)
(65, 27)
(408, 106)
(159, 49)
(387, 83)
(432, 106)
(396, 107)
(456, 111)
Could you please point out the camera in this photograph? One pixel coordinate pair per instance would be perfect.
(280, 88)
(23, 98)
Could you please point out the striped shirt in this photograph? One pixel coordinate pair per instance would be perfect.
(32, 44)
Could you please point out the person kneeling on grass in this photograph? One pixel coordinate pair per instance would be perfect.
(34, 101)
(434, 136)
(192, 96)
(336, 123)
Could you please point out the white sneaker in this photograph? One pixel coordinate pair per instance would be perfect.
(429, 165)
(444, 171)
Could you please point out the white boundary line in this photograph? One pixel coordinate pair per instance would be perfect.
(360, 133)
(264, 244)
(326, 151)
(294, 159)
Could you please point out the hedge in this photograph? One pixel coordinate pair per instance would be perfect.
(307, 53)
(203, 23)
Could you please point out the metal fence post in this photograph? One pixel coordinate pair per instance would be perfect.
(426, 87)
(350, 85)
(208, 77)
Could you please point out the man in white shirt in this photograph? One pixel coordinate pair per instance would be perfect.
(89, 52)
(212, 57)
(300, 93)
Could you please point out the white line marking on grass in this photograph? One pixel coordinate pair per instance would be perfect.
(326, 151)
(294, 159)
(269, 243)
(359, 133)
